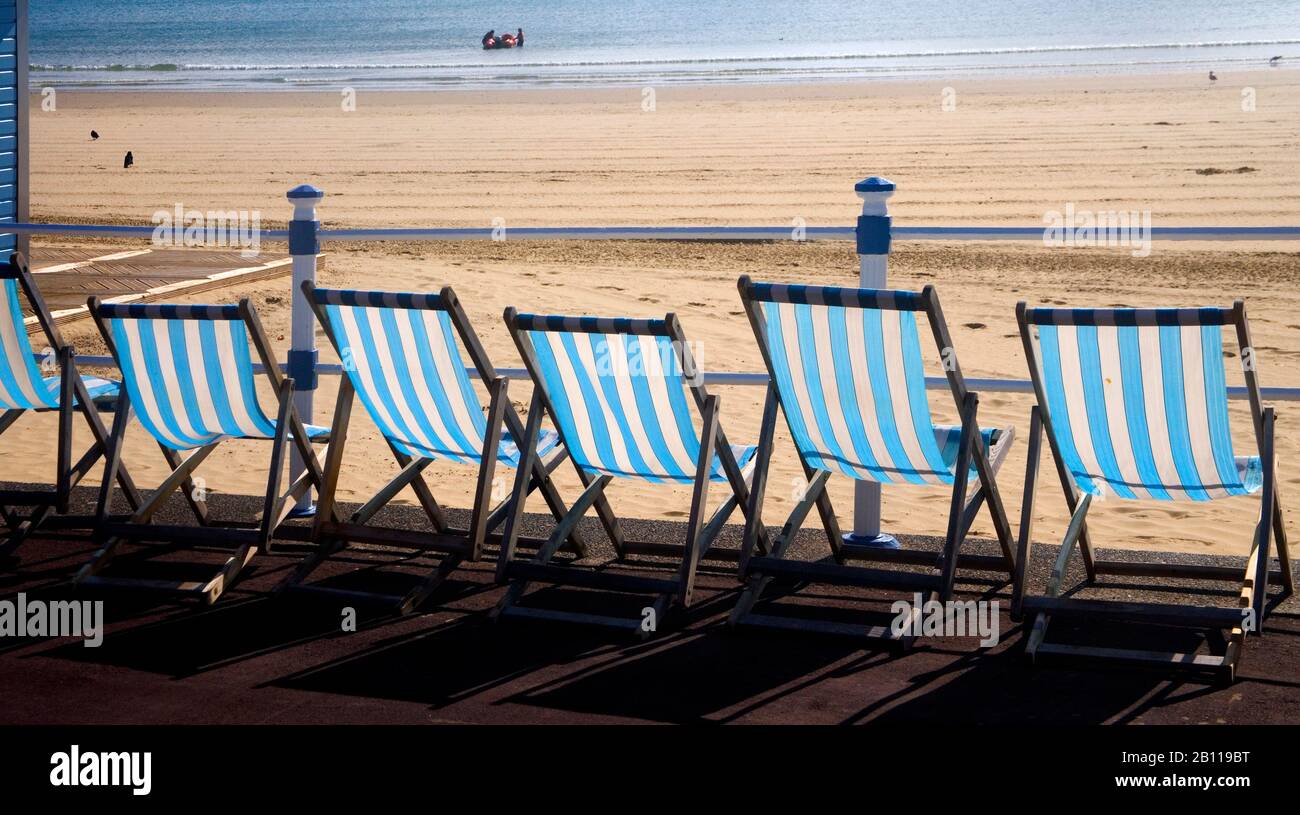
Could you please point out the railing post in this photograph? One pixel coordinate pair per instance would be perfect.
(303, 248)
(873, 258)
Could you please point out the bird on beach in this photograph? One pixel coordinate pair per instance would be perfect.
(94, 135)
(1213, 78)
(1275, 60)
(128, 161)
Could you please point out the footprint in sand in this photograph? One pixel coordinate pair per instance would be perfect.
(975, 326)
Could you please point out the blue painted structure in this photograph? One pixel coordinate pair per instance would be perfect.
(13, 120)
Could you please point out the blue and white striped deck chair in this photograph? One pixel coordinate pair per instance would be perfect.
(847, 370)
(1135, 405)
(401, 353)
(623, 394)
(189, 377)
(24, 388)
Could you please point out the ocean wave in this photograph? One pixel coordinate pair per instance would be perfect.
(634, 63)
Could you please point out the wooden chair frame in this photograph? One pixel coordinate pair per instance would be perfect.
(760, 572)
(454, 546)
(138, 527)
(72, 390)
(1253, 582)
(701, 533)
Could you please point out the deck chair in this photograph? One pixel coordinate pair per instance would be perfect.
(847, 371)
(24, 388)
(189, 377)
(401, 356)
(620, 392)
(1135, 406)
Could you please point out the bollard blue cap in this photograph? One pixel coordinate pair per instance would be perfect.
(874, 184)
(304, 191)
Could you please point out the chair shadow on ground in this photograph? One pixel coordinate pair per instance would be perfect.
(150, 632)
(716, 675)
(700, 672)
(190, 641)
(447, 663)
(720, 676)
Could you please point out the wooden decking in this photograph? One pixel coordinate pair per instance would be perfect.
(67, 277)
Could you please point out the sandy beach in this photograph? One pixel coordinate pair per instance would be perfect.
(1005, 153)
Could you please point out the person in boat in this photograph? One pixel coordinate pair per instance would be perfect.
(490, 39)
(507, 40)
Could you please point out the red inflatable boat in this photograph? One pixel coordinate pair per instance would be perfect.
(492, 43)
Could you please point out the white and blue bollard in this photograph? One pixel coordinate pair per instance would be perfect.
(304, 246)
(873, 258)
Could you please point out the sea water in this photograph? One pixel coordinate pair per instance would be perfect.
(419, 44)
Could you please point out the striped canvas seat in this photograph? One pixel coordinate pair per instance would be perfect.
(620, 399)
(1139, 402)
(188, 373)
(846, 369)
(849, 372)
(22, 387)
(401, 354)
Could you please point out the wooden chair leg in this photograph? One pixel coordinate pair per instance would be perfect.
(590, 497)
(699, 498)
(20, 529)
(199, 506)
(604, 511)
(225, 578)
(326, 499)
(272, 501)
(1073, 533)
(555, 503)
(1283, 550)
(9, 417)
(113, 461)
(1264, 533)
(407, 477)
(103, 437)
(487, 467)
(422, 493)
(826, 512)
(177, 478)
(527, 459)
(756, 583)
(997, 510)
(326, 547)
(758, 484)
(1025, 544)
(952, 545)
(430, 584)
(63, 481)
